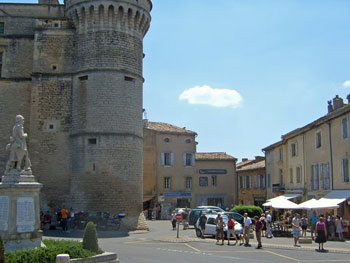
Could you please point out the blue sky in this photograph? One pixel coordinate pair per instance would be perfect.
(271, 65)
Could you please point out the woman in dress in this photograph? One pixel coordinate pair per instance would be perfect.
(340, 228)
(321, 231)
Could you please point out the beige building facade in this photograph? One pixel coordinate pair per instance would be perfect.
(252, 181)
(319, 163)
(215, 181)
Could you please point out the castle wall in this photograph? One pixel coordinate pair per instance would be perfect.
(15, 99)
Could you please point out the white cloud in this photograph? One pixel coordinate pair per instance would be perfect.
(346, 84)
(214, 97)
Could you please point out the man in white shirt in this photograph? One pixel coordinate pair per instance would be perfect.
(268, 224)
(296, 229)
(246, 231)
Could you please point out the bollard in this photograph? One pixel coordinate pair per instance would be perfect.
(62, 258)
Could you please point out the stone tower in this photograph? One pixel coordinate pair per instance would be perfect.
(106, 131)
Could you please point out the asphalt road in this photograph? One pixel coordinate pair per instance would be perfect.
(161, 245)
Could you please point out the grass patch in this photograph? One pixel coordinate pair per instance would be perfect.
(48, 254)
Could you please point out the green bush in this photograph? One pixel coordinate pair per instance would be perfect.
(48, 254)
(252, 210)
(90, 237)
(2, 251)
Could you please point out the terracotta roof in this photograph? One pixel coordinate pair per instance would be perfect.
(244, 163)
(213, 156)
(252, 166)
(167, 128)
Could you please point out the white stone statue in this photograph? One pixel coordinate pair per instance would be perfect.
(18, 148)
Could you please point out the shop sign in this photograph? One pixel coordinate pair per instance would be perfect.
(177, 194)
(212, 171)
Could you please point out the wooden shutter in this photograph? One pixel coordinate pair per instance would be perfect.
(312, 177)
(193, 159)
(322, 177)
(162, 159)
(184, 159)
(343, 169)
(172, 159)
(317, 178)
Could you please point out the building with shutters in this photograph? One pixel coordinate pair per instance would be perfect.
(313, 161)
(252, 181)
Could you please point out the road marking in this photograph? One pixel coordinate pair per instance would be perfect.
(233, 251)
(195, 249)
(326, 260)
(282, 256)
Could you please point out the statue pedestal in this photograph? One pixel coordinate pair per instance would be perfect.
(20, 211)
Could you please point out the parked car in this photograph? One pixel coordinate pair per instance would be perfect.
(237, 217)
(210, 226)
(212, 208)
(197, 212)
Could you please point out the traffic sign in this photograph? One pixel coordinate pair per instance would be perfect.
(178, 217)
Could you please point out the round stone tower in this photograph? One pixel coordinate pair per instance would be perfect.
(106, 135)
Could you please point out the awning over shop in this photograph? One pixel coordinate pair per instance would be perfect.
(308, 204)
(338, 194)
(281, 197)
(147, 197)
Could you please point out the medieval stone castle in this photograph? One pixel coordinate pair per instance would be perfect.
(74, 71)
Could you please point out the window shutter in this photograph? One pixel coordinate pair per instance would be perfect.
(193, 159)
(162, 159)
(317, 178)
(184, 158)
(172, 159)
(328, 185)
(322, 177)
(312, 177)
(343, 169)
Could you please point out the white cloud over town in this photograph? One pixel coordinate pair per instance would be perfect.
(207, 95)
(346, 84)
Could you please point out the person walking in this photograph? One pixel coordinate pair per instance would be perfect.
(296, 229)
(202, 221)
(313, 221)
(321, 231)
(304, 225)
(331, 227)
(263, 220)
(246, 230)
(259, 225)
(340, 228)
(268, 224)
(231, 230)
(173, 220)
(220, 224)
(64, 217)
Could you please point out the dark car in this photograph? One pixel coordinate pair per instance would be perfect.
(237, 217)
(197, 212)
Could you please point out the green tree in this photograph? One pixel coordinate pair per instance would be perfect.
(90, 237)
(251, 210)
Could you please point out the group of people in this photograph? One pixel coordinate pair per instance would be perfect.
(64, 218)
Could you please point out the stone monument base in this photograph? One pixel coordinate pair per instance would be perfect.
(20, 211)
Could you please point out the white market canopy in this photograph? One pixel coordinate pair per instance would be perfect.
(271, 201)
(281, 203)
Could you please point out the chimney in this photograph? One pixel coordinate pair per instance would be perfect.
(338, 102)
(49, 2)
(330, 106)
(244, 159)
(259, 158)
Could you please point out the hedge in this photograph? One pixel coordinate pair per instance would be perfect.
(48, 254)
(90, 237)
(250, 209)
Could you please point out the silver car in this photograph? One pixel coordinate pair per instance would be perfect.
(210, 226)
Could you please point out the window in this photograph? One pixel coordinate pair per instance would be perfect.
(325, 176)
(166, 182)
(54, 67)
(345, 170)
(291, 175)
(82, 78)
(298, 172)
(92, 141)
(268, 180)
(211, 221)
(318, 140)
(281, 177)
(51, 126)
(203, 181)
(247, 179)
(2, 28)
(188, 159)
(280, 154)
(188, 140)
(241, 182)
(262, 181)
(188, 182)
(166, 140)
(214, 180)
(294, 149)
(256, 181)
(344, 123)
(167, 159)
